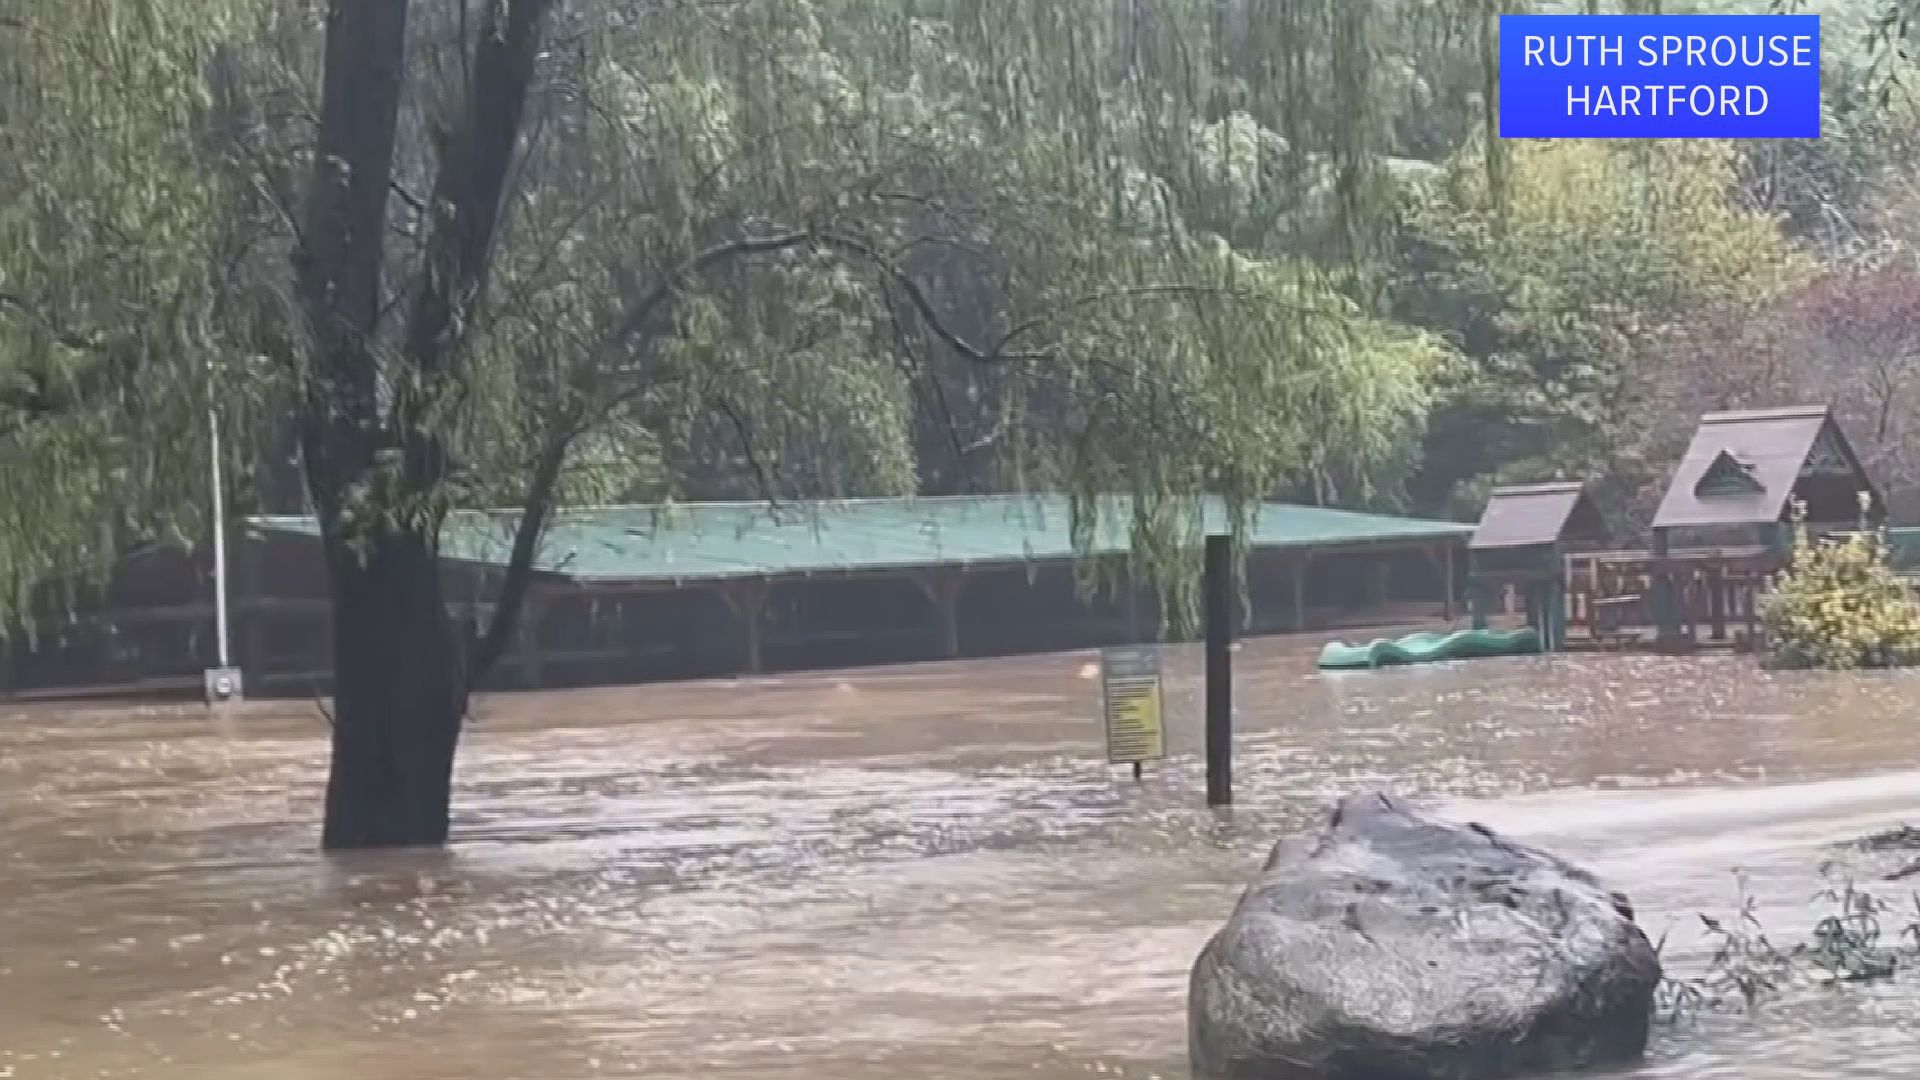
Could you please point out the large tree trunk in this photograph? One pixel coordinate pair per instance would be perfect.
(400, 673)
(399, 696)
(384, 727)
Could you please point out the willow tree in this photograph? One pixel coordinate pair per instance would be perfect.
(648, 222)
(525, 243)
(111, 274)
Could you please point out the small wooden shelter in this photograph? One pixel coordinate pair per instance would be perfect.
(1521, 543)
(1724, 523)
(1743, 470)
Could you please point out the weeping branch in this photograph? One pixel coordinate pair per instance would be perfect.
(763, 476)
(63, 338)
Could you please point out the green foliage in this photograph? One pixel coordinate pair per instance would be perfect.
(1099, 247)
(1861, 937)
(110, 319)
(1840, 605)
(760, 232)
(1055, 245)
(1561, 282)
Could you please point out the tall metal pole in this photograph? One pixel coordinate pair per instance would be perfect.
(219, 540)
(1219, 594)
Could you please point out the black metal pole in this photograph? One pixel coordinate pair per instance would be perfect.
(1219, 613)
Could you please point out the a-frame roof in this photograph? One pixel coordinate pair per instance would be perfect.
(1527, 514)
(1743, 467)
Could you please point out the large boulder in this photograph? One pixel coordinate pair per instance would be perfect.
(1385, 945)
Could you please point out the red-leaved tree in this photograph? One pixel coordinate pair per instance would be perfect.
(1849, 338)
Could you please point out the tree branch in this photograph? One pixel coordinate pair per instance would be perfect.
(762, 475)
(1001, 350)
(917, 296)
(469, 188)
(920, 375)
(414, 202)
(341, 246)
(34, 396)
(560, 234)
(65, 339)
(641, 313)
(542, 489)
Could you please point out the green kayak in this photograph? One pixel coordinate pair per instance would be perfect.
(1426, 648)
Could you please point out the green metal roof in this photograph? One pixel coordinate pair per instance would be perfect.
(1904, 548)
(694, 541)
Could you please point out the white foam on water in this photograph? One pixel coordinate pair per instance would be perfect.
(1737, 815)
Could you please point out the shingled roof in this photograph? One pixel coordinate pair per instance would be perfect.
(1743, 467)
(1526, 514)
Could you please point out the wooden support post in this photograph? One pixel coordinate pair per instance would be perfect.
(1666, 614)
(750, 616)
(748, 601)
(1750, 589)
(1446, 582)
(1218, 587)
(1301, 562)
(527, 642)
(252, 606)
(1479, 599)
(942, 588)
(1716, 582)
(1381, 574)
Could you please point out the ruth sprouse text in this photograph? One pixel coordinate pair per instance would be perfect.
(1668, 50)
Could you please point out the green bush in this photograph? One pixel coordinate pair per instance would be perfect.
(1840, 605)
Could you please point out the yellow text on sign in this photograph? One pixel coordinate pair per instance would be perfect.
(1131, 696)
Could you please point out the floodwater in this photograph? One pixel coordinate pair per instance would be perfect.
(915, 871)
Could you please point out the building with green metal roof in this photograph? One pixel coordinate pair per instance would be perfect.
(674, 545)
(711, 588)
(624, 594)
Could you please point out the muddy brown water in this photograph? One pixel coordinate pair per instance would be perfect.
(916, 871)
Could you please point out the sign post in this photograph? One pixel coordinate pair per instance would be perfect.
(222, 683)
(1132, 705)
(1219, 588)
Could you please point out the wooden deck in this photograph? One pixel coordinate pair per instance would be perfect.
(1610, 597)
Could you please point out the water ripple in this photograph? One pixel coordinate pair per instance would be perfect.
(927, 870)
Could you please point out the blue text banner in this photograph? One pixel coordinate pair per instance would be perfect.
(1660, 76)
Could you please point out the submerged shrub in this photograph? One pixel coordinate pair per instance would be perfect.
(1839, 604)
(1861, 937)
